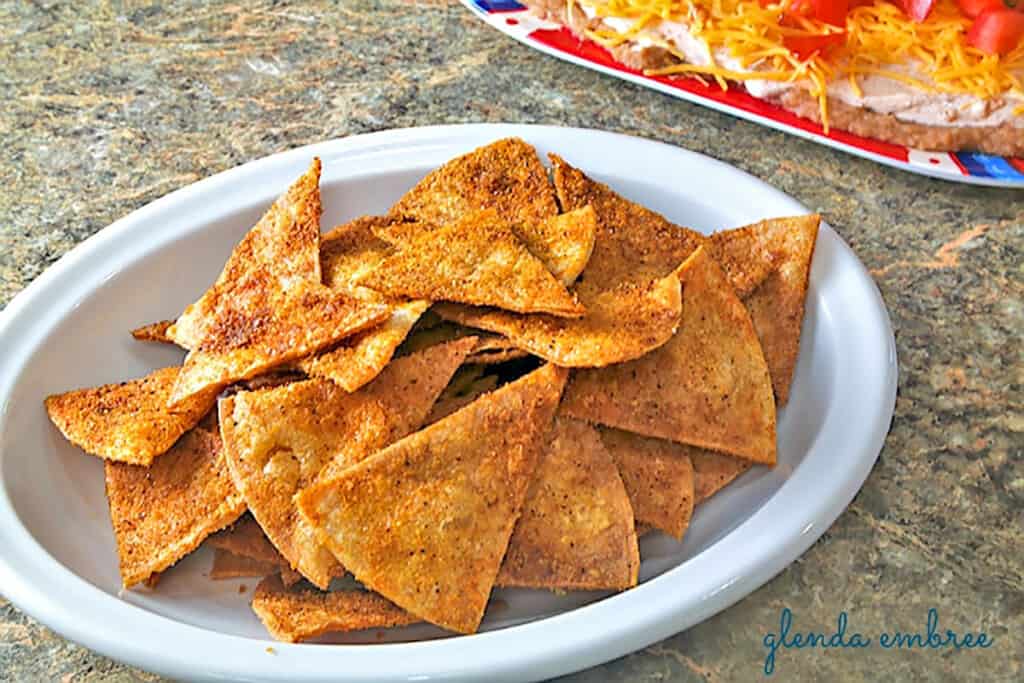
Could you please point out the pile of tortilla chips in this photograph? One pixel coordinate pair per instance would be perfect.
(502, 382)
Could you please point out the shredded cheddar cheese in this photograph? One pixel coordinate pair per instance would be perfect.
(880, 40)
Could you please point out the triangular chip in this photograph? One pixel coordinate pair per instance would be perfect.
(708, 386)
(279, 440)
(620, 324)
(359, 359)
(163, 512)
(563, 243)
(477, 259)
(713, 472)
(281, 250)
(155, 332)
(227, 565)
(127, 422)
(628, 287)
(777, 305)
(426, 521)
(300, 613)
(268, 306)
(576, 530)
(658, 476)
(506, 176)
(744, 257)
(347, 253)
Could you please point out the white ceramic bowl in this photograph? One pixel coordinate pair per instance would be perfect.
(70, 327)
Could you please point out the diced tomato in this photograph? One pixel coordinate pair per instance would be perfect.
(997, 31)
(804, 47)
(973, 8)
(830, 11)
(918, 10)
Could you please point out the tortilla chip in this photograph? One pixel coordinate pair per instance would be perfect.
(278, 441)
(643, 529)
(163, 512)
(566, 243)
(576, 530)
(477, 259)
(350, 251)
(658, 476)
(628, 286)
(777, 306)
(426, 521)
(620, 324)
(127, 422)
(506, 176)
(245, 538)
(281, 250)
(359, 359)
(563, 243)
(296, 614)
(746, 260)
(492, 349)
(155, 332)
(713, 472)
(709, 386)
(227, 565)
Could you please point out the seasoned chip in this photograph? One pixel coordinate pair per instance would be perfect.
(163, 512)
(777, 306)
(566, 243)
(299, 613)
(245, 539)
(713, 472)
(620, 324)
(281, 250)
(350, 251)
(576, 530)
(127, 422)
(633, 243)
(708, 386)
(359, 359)
(426, 521)
(744, 257)
(628, 287)
(505, 176)
(563, 243)
(659, 478)
(268, 306)
(477, 259)
(279, 440)
(156, 332)
(492, 349)
(227, 565)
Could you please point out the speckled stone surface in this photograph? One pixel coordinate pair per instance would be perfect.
(107, 106)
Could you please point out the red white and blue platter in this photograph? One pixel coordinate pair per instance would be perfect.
(514, 20)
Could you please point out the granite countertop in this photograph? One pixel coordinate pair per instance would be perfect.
(109, 105)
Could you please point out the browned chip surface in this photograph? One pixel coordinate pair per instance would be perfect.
(282, 249)
(491, 349)
(299, 613)
(163, 512)
(127, 422)
(361, 358)
(620, 324)
(477, 259)
(713, 472)
(576, 529)
(506, 176)
(777, 306)
(279, 440)
(658, 476)
(468, 384)
(628, 286)
(426, 521)
(227, 565)
(245, 539)
(156, 332)
(709, 386)
(746, 259)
